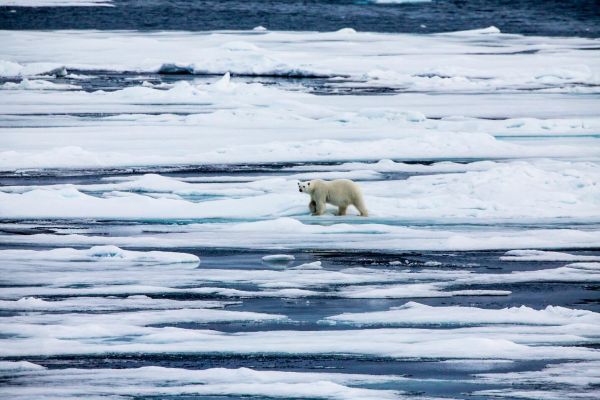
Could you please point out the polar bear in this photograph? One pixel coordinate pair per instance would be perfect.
(339, 192)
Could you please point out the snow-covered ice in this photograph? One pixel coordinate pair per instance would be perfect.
(101, 254)
(412, 313)
(567, 190)
(436, 57)
(151, 228)
(578, 380)
(509, 342)
(240, 117)
(160, 381)
(538, 255)
(56, 3)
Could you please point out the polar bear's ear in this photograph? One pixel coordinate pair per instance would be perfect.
(308, 183)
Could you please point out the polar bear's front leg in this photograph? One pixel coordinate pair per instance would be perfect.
(312, 206)
(320, 208)
(342, 210)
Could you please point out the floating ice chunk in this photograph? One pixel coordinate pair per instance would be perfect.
(573, 380)
(96, 304)
(259, 28)
(174, 382)
(56, 3)
(490, 30)
(100, 254)
(539, 255)
(585, 373)
(315, 265)
(432, 263)
(278, 258)
(13, 69)
(10, 366)
(504, 342)
(37, 84)
(539, 394)
(387, 165)
(140, 318)
(290, 233)
(415, 313)
(346, 31)
(224, 84)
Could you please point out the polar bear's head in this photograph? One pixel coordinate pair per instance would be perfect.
(305, 187)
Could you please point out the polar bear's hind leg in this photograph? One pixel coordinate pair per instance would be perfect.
(342, 210)
(360, 206)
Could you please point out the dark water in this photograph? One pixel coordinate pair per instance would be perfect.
(548, 18)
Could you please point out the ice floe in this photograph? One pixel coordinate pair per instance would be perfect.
(136, 318)
(577, 380)
(13, 366)
(102, 254)
(160, 381)
(504, 342)
(415, 313)
(56, 3)
(279, 258)
(238, 127)
(37, 84)
(290, 233)
(129, 303)
(568, 191)
(295, 53)
(400, 126)
(539, 255)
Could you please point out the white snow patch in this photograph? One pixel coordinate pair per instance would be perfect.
(37, 84)
(96, 304)
(56, 3)
(167, 382)
(100, 254)
(415, 313)
(279, 258)
(11, 366)
(539, 255)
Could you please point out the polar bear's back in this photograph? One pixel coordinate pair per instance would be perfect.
(341, 192)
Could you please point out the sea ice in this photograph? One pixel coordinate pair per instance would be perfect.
(415, 313)
(161, 382)
(56, 3)
(539, 255)
(101, 254)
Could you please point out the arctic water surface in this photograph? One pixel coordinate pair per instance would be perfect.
(153, 242)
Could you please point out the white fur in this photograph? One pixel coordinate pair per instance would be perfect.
(339, 192)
